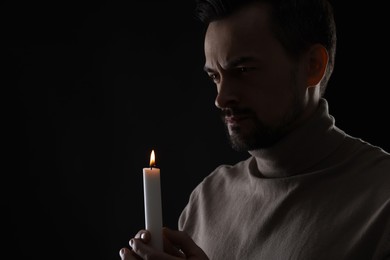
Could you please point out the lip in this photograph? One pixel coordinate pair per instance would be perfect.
(235, 119)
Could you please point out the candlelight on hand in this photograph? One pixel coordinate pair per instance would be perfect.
(152, 202)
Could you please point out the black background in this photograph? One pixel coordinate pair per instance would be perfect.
(92, 87)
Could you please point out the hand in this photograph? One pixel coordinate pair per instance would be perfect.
(177, 246)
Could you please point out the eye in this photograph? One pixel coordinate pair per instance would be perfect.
(213, 76)
(243, 69)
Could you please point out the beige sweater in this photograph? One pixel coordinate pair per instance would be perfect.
(328, 197)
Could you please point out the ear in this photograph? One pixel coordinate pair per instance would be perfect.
(317, 61)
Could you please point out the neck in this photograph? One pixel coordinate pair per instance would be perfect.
(299, 150)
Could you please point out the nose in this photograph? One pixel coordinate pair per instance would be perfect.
(227, 94)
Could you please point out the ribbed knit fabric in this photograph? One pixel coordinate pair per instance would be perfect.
(318, 194)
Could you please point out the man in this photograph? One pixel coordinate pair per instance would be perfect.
(308, 190)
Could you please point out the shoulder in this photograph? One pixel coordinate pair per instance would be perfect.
(222, 178)
(226, 174)
(213, 191)
(369, 165)
(371, 156)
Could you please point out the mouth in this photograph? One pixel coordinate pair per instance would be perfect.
(235, 117)
(235, 120)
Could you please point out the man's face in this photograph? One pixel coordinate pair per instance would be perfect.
(261, 91)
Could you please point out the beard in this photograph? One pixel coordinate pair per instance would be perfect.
(257, 134)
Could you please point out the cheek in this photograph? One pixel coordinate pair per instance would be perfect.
(271, 100)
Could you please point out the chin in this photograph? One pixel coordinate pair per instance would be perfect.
(241, 143)
(253, 141)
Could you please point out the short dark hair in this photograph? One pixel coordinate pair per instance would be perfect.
(297, 24)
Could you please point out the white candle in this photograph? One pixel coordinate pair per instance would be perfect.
(152, 201)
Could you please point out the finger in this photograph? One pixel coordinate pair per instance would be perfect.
(184, 242)
(144, 235)
(127, 254)
(143, 250)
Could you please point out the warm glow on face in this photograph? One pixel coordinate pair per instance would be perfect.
(152, 159)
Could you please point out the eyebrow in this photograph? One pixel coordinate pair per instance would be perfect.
(233, 63)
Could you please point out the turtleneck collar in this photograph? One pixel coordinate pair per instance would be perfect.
(303, 148)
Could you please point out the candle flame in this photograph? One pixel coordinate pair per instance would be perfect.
(152, 159)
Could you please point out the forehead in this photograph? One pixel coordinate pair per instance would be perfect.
(247, 30)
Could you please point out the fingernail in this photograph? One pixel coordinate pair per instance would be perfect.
(143, 236)
(122, 252)
(131, 242)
